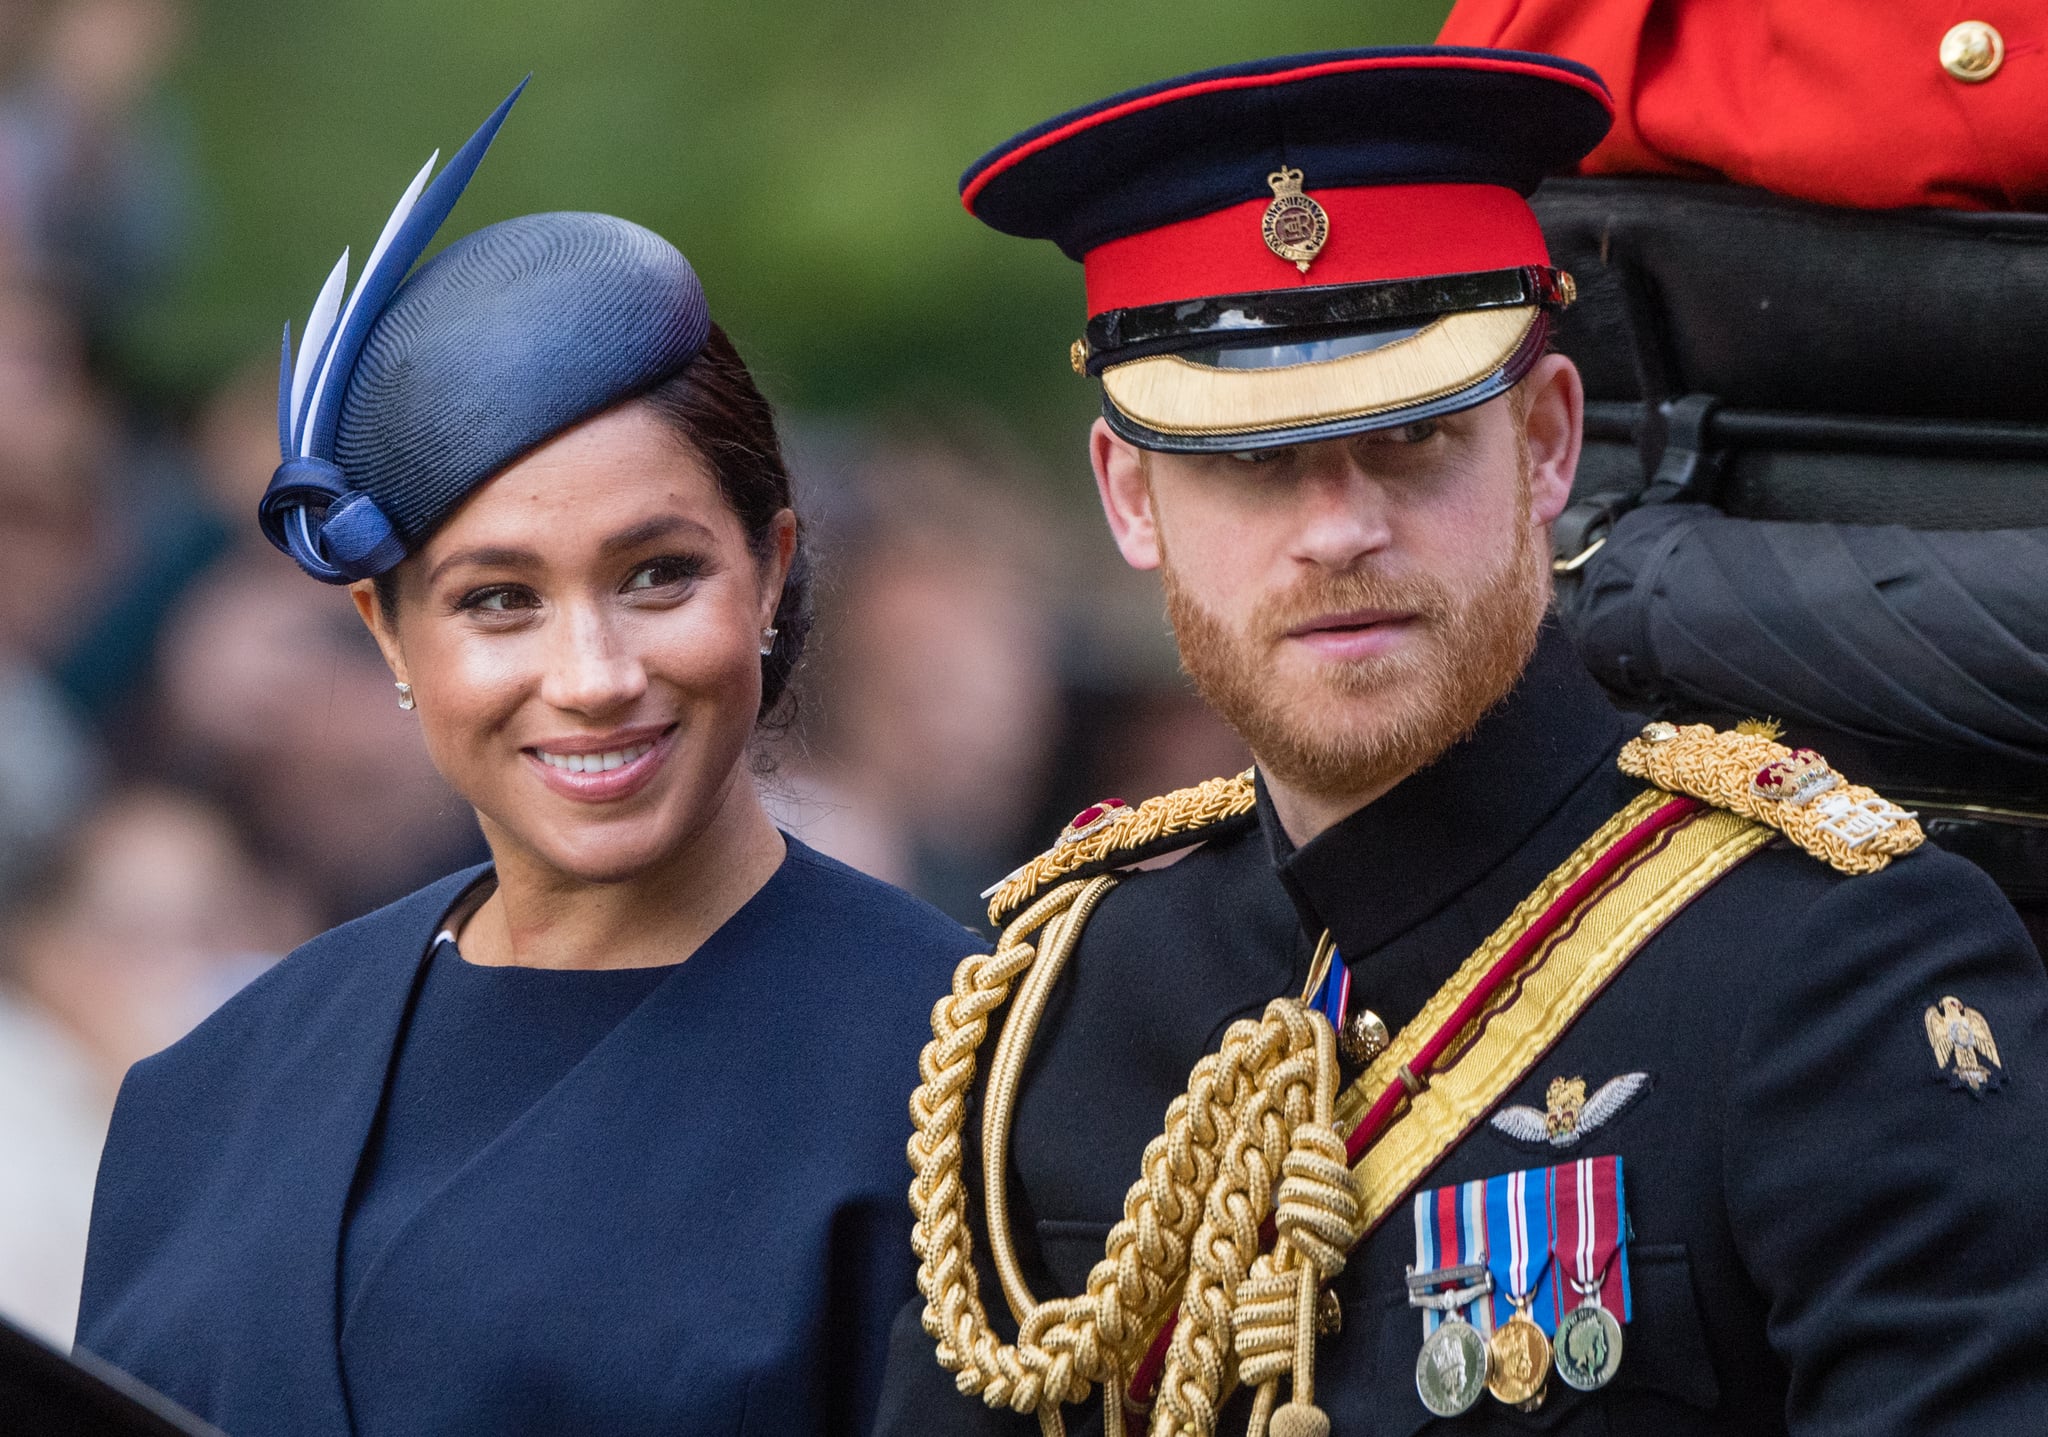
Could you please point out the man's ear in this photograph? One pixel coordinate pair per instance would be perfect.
(1122, 481)
(1554, 422)
(364, 592)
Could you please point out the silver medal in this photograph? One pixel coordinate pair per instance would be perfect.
(1450, 1372)
(1587, 1352)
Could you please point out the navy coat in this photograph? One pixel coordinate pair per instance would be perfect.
(701, 1228)
(1832, 1239)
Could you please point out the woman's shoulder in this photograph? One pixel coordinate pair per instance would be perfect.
(327, 975)
(865, 908)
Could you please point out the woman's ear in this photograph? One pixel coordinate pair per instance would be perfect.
(371, 610)
(1126, 492)
(782, 536)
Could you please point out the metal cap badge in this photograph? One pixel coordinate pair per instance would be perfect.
(1295, 226)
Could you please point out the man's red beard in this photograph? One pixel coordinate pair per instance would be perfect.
(1365, 724)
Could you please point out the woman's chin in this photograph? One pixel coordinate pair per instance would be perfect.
(607, 852)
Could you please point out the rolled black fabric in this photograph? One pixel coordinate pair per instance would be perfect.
(1889, 633)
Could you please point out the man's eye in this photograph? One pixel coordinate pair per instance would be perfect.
(1261, 456)
(1416, 433)
(664, 573)
(498, 599)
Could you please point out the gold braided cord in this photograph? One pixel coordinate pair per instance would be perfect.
(1006, 1076)
(1185, 810)
(1847, 826)
(1227, 1140)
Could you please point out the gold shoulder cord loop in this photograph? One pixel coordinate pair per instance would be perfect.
(1005, 1076)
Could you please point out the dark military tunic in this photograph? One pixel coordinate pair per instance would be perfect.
(1830, 1237)
(680, 1210)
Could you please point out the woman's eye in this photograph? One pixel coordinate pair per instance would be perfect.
(663, 574)
(498, 599)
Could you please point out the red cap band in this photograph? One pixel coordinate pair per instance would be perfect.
(1377, 232)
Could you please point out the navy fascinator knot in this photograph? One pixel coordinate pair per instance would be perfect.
(337, 534)
(406, 397)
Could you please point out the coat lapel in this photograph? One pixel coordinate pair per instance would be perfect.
(327, 1091)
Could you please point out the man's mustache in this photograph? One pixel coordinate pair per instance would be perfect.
(1314, 598)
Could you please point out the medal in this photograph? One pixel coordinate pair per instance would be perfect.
(1589, 1249)
(1588, 1351)
(1518, 1257)
(1450, 1372)
(1518, 1360)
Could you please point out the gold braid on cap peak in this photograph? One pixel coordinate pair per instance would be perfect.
(1107, 831)
(1746, 771)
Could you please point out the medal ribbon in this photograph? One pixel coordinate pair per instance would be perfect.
(1589, 1236)
(1517, 1207)
(1450, 1231)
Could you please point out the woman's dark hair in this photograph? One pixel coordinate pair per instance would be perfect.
(713, 406)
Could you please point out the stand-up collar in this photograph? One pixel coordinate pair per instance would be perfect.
(1401, 858)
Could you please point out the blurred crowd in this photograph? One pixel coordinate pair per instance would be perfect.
(201, 760)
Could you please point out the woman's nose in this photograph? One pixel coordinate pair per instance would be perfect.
(589, 669)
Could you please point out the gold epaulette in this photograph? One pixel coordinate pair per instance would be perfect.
(1102, 832)
(1746, 771)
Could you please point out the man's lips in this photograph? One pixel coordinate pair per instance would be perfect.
(601, 768)
(1356, 634)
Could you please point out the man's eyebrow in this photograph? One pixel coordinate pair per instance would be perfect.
(497, 556)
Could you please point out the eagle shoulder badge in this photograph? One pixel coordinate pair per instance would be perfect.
(1964, 1049)
(1569, 1113)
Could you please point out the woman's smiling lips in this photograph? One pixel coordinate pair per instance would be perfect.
(1359, 634)
(601, 768)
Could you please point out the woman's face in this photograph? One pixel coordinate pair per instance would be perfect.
(583, 641)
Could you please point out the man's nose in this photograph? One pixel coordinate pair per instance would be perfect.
(589, 669)
(1343, 509)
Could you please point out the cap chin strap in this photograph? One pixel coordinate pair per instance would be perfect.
(336, 534)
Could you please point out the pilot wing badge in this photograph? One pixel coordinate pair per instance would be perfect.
(1964, 1049)
(1569, 1115)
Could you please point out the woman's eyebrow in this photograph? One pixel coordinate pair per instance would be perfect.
(494, 557)
(648, 531)
(499, 556)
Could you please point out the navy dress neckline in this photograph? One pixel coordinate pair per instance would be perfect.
(480, 1045)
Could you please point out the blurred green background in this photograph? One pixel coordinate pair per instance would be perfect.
(804, 155)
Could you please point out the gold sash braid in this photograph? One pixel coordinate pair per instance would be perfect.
(1555, 986)
(1254, 1137)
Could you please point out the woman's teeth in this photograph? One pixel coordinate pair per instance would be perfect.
(595, 762)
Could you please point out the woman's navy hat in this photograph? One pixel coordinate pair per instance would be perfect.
(405, 398)
(1309, 246)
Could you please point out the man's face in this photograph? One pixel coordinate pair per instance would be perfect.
(1353, 607)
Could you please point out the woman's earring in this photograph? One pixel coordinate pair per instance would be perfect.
(405, 700)
(768, 641)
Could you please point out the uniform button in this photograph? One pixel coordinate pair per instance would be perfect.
(1972, 52)
(1329, 1314)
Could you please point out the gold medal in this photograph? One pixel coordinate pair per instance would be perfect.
(1518, 1359)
